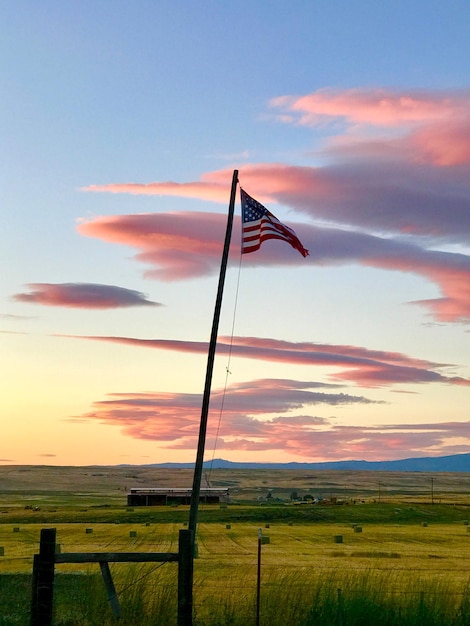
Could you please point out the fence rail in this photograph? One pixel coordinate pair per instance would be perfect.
(42, 597)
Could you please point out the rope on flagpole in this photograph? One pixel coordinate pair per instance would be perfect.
(227, 369)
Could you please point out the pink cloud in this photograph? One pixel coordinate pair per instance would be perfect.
(83, 296)
(174, 417)
(173, 421)
(186, 245)
(366, 368)
(212, 187)
(408, 180)
(443, 145)
(180, 245)
(380, 107)
(395, 171)
(368, 193)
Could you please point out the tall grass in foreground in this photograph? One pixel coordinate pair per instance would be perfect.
(300, 599)
(148, 598)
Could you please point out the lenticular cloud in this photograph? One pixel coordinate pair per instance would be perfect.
(390, 189)
(83, 296)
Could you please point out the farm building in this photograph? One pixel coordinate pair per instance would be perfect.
(155, 496)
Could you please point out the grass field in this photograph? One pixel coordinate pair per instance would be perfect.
(411, 559)
(51, 486)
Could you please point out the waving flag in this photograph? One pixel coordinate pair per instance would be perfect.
(259, 224)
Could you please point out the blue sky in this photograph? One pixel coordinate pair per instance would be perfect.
(121, 125)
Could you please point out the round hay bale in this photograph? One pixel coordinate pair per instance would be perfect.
(228, 526)
(267, 526)
(133, 533)
(16, 529)
(2, 551)
(265, 539)
(424, 524)
(88, 531)
(358, 529)
(338, 538)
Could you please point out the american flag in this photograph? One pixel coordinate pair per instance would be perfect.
(259, 224)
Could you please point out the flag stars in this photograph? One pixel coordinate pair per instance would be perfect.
(252, 212)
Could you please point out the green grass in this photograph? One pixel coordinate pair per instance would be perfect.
(300, 599)
(370, 513)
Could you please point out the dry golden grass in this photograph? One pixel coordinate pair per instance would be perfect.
(50, 485)
(438, 550)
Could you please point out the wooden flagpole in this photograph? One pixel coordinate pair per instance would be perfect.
(193, 513)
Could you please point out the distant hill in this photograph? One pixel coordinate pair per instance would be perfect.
(453, 463)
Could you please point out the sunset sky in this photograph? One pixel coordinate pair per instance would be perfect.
(121, 125)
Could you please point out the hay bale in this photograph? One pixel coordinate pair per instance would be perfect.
(358, 529)
(338, 538)
(228, 526)
(424, 524)
(88, 531)
(16, 529)
(267, 525)
(265, 539)
(133, 533)
(2, 551)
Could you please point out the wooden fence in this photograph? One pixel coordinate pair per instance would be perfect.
(42, 598)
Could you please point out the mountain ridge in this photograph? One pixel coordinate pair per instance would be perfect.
(450, 463)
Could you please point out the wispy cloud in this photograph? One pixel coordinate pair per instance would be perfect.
(393, 188)
(258, 416)
(15, 318)
(83, 296)
(365, 368)
(178, 245)
(377, 107)
(188, 245)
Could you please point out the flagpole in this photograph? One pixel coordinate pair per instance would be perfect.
(193, 512)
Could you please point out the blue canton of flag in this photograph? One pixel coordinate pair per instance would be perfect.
(259, 224)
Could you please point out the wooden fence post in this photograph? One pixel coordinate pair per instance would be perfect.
(185, 578)
(340, 608)
(258, 577)
(43, 580)
(110, 589)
